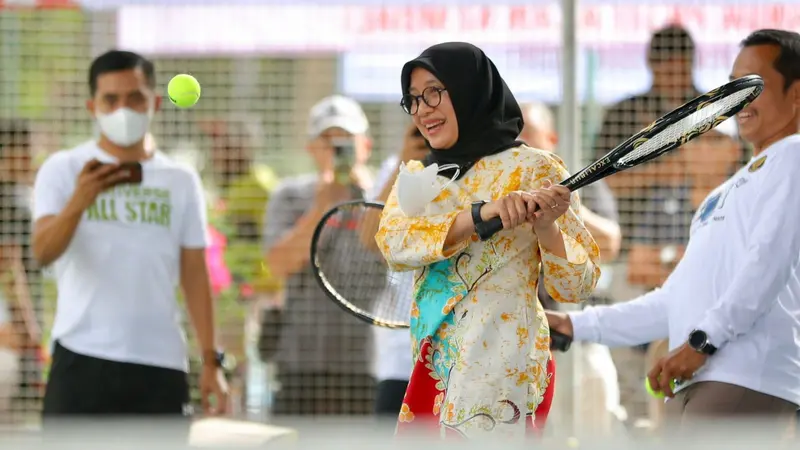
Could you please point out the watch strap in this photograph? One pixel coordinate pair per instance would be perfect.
(213, 358)
(476, 213)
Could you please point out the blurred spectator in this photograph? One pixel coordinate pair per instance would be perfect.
(670, 58)
(323, 355)
(599, 208)
(662, 226)
(601, 375)
(240, 189)
(243, 185)
(393, 359)
(20, 337)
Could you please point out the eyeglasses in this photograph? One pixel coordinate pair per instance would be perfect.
(432, 96)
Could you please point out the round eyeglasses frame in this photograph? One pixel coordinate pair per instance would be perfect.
(432, 96)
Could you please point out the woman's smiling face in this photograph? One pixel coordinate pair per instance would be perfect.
(432, 109)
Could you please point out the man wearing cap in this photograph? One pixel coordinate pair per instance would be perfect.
(323, 355)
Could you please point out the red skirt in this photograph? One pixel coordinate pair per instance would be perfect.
(422, 404)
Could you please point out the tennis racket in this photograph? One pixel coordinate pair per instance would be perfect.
(667, 133)
(351, 270)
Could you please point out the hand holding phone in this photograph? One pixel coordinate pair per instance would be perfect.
(128, 173)
(343, 157)
(95, 177)
(132, 172)
(414, 147)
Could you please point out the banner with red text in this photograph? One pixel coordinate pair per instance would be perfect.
(302, 27)
(374, 40)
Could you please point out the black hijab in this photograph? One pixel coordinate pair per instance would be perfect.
(489, 117)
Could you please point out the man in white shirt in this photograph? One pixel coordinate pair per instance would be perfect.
(731, 307)
(119, 246)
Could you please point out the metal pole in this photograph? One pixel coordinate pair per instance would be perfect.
(569, 371)
(570, 111)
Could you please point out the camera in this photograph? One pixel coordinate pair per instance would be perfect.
(343, 153)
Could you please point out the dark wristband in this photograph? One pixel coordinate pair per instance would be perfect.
(476, 212)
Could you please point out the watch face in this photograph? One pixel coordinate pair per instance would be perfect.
(698, 339)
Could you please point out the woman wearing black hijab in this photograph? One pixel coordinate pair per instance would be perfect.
(480, 338)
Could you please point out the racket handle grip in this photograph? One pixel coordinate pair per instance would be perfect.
(489, 228)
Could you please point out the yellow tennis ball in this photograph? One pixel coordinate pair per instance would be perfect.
(183, 90)
(657, 394)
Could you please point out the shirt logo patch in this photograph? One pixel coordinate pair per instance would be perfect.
(757, 164)
(708, 207)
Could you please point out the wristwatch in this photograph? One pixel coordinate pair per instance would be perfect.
(219, 360)
(477, 220)
(698, 341)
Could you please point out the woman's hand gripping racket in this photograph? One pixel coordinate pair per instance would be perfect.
(351, 270)
(665, 134)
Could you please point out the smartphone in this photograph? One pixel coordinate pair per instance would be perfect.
(132, 171)
(344, 150)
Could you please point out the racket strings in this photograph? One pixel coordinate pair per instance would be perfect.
(696, 122)
(356, 274)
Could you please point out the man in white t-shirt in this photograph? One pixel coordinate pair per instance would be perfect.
(119, 248)
(731, 307)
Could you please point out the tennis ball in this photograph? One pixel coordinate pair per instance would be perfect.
(183, 90)
(656, 394)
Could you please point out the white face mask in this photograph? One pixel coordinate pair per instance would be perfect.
(416, 190)
(124, 126)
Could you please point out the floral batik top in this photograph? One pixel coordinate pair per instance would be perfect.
(479, 334)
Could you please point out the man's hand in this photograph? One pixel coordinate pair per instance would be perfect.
(213, 385)
(95, 178)
(560, 322)
(681, 364)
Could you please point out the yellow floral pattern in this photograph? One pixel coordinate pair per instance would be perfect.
(502, 336)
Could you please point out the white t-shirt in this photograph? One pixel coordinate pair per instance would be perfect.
(392, 359)
(118, 279)
(739, 281)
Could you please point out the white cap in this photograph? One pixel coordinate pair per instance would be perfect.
(337, 112)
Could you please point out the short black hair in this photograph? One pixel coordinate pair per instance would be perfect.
(14, 133)
(117, 60)
(670, 42)
(788, 61)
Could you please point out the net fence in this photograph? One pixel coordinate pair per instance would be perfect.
(262, 65)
